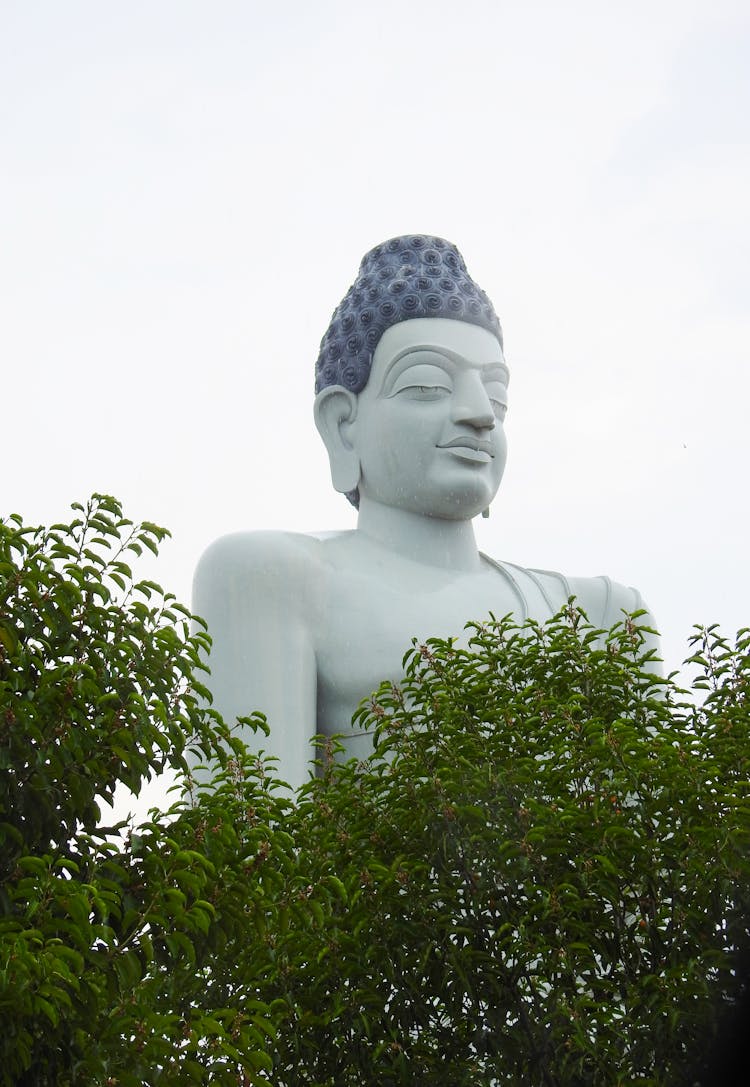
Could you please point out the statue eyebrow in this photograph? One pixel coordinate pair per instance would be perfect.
(495, 367)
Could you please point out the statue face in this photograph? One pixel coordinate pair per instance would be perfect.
(428, 430)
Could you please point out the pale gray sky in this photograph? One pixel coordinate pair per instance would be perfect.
(186, 192)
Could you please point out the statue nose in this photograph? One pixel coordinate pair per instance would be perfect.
(474, 408)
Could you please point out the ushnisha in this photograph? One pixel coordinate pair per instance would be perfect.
(411, 395)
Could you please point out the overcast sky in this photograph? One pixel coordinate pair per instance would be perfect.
(186, 192)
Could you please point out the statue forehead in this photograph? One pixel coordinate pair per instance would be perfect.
(457, 340)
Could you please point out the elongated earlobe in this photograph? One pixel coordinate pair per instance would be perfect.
(335, 411)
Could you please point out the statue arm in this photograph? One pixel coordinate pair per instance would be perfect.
(253, 590)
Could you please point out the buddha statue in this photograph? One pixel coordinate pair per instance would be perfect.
(411, 396)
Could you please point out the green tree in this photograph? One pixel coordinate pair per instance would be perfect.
(107, 935)
(541, 877)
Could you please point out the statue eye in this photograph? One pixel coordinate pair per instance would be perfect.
(426, 392)
(498, 397)
(423, 382)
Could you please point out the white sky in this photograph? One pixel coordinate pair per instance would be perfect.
(186, 190)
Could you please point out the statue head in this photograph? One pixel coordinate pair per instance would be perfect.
(412, 296)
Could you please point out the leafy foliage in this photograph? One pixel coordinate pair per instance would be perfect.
(106, 939)
(541, 877)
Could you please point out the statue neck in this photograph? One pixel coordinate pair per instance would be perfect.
(430, 541)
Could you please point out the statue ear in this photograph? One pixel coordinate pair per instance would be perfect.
(335, 411)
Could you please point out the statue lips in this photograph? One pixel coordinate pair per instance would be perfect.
(466, 447)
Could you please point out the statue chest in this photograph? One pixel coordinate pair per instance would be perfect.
(367, 624)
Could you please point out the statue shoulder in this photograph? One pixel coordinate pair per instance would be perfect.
(257, 564)
(603, 599)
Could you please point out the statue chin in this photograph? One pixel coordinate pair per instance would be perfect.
(446, 504)
(411, 404)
